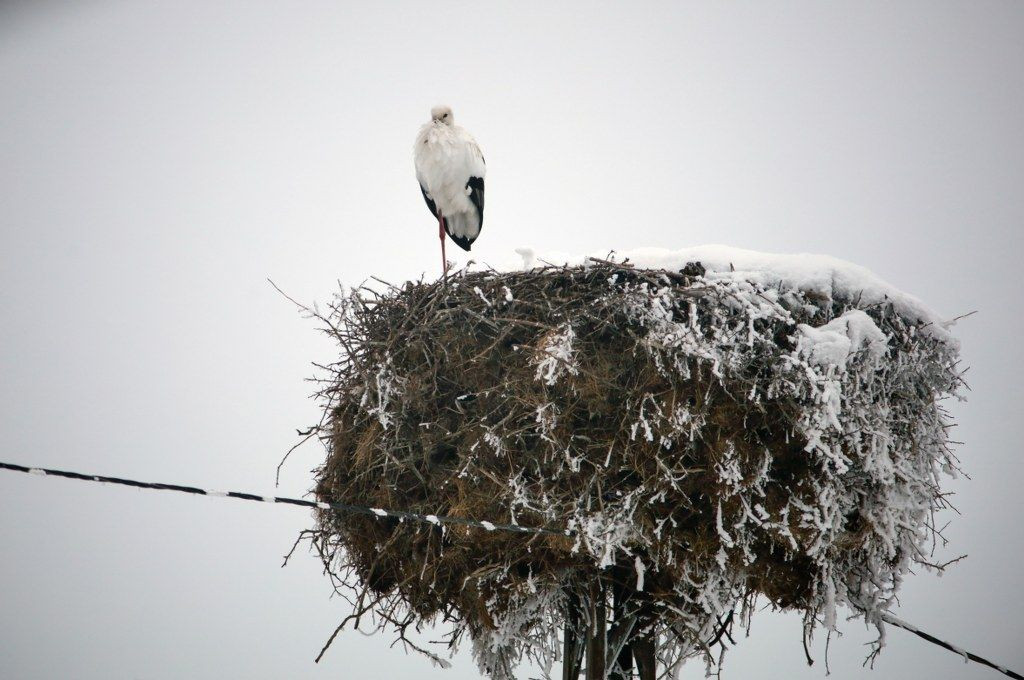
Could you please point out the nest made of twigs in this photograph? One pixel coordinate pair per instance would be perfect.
(683, 427)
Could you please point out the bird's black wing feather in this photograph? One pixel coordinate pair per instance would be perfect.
(430, 202)
(476, 195)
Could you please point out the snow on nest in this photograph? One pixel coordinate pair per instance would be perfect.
(821, 275)
(834, 343)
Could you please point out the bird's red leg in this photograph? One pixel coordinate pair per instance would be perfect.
(440, 233)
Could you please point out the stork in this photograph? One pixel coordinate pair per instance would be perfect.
(450, 170)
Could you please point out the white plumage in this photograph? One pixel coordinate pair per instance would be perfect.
(451, 170)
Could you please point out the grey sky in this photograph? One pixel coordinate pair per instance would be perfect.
(159, 160)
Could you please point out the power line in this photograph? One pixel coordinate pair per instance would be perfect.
(900, 623)
(428, 519)
(340, 507)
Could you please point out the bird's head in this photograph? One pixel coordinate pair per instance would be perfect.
(443, 115)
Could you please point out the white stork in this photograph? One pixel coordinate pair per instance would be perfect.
(450, 170)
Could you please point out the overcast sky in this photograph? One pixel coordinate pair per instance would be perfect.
(159, 160)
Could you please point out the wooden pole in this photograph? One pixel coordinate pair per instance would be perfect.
(596, 632)
(572, 650)
(645, 641)
(644, 653)
(622, 668)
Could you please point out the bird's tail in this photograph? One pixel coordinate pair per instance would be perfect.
(460, 229)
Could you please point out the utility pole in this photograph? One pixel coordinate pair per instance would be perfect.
(596, 633)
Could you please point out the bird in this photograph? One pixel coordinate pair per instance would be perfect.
(450, 170)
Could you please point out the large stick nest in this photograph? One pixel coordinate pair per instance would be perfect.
(704, 440)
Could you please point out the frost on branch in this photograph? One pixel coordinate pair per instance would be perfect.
(707, 438)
